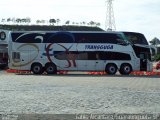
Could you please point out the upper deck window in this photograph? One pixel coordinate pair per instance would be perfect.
(67, 37)
(59, 37)
(97, 38)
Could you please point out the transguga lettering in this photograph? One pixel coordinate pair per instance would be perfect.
(99, 47)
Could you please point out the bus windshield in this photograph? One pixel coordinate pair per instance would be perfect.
(136, 38)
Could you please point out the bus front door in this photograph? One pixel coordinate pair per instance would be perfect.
(143, 62)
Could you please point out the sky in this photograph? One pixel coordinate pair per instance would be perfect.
(130, 15)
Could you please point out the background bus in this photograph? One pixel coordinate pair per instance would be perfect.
(3, 49)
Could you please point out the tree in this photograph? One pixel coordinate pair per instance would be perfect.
(9, 20)
(3, 20)
(18, 20)
(52, 21)
(23, 20)
(155, 41)
(38, 21)
(28, 20)
(67, 22)
(83, 23)
(98, 24)
(57, 20)
(73, 23)
(91, 23)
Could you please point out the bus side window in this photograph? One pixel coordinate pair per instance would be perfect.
(97, 56)
(82, 56)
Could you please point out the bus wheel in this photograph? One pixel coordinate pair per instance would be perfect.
(111, 69)
(51, 68)
(125, 69)
(37, 68)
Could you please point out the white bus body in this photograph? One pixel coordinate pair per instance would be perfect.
(3, 48)
(72, 51)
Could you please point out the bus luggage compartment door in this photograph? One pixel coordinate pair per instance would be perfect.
(143, 62)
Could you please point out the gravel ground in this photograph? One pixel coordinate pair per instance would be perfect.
(78, 93)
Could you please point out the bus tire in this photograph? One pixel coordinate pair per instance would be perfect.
(51, 68)
(37, 68)
(125, 69)
(111, 69)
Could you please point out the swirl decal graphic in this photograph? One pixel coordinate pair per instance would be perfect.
(54, 42)
(47, 52)
(67, 52)
(19, 64)
(28, 40)
(28, 37)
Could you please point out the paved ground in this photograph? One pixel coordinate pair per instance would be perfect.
(78, 93)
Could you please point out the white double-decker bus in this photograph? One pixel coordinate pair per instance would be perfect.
(74, 51)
